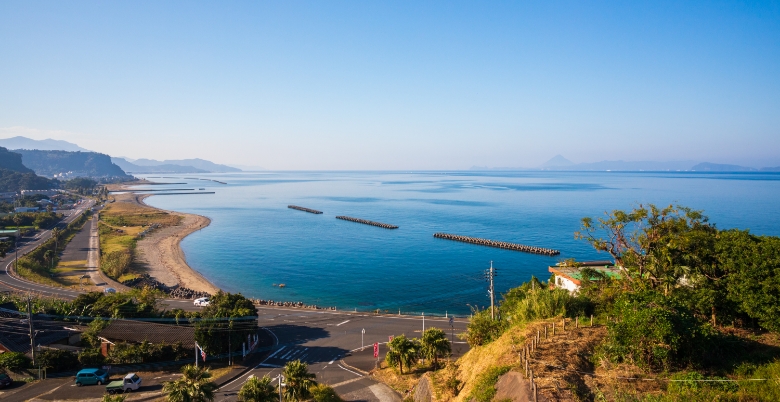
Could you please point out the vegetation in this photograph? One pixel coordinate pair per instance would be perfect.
(299, 381)
(57, 360)
(225, 323)
(14, 361)
(90, 164)
(485, 388)
(195, 385)
(324, 393)
(434, 344)
(257, 389)
(691, 304)
(113, 398)
(401, 352)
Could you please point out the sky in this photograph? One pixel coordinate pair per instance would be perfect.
(396, 85)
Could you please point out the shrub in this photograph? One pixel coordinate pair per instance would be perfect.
(324, 393)
(57, 360)
(116, 263)
(655, 332)
(14, 361)
(91, 357)
(482, 329)
(485, 386)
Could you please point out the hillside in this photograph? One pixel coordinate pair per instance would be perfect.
(48, 144)
(71, 164)
(196, 163)
(12, 161)
(130, 167)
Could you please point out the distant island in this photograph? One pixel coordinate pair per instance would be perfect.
(560, 163)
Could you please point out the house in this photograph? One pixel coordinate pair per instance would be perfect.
(8, 196)
(130, 331)
(26, 209)
(570, 277)
(47, 193)
(15, 331)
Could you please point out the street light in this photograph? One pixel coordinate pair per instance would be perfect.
(362, 344)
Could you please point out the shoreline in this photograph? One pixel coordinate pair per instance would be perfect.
(161, 250)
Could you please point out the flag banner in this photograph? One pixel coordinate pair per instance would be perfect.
(376, 350)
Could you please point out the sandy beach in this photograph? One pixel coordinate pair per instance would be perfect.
(160, 251)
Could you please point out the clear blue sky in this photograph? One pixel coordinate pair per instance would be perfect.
(396, 85)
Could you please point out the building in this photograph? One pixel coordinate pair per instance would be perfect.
(570, 278)
(47, 193)
(26, 209)
(15, 331)
(139, 331)
(8, 196)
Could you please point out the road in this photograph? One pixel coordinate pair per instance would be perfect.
(330, 343)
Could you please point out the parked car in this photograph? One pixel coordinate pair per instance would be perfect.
(5, 380)
(91, 377)
(130, 383)
(201, 302)
(109, 290)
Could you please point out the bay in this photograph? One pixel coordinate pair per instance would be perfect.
(254, 241)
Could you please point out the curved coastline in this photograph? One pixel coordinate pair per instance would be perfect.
(162, 251)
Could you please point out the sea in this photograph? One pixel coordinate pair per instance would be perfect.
(255, 242)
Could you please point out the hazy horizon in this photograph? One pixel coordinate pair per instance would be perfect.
(387, 86)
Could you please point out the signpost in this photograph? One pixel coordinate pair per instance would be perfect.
(362, 344)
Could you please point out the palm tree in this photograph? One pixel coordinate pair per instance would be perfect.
(48, 256)
(17, 221)
(299, 380)
(434, 343)
(257, 390)
(193, 386)
(113, 398)
(401, 352)
(55, 233)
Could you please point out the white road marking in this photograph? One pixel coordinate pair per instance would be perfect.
(358, 374)
(343, 323)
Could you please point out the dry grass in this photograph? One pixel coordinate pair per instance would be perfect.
(399, 382)
(68, 274)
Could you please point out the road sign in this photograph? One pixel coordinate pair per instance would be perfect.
(451, 321)
(376, 350)
(390, 338)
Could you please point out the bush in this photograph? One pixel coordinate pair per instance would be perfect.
(91, 357)
(485, 386)
(57, 360)
(482, 329)
(324, 393)
(14, 361)
(116, 263)
(655, 332)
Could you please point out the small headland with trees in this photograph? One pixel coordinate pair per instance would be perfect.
(692, 316)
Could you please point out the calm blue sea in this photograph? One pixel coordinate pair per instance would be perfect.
(254, 241)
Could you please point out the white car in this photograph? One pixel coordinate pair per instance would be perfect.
(202, 302)
(109, 290)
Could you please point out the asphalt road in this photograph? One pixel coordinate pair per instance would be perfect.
(330, 342)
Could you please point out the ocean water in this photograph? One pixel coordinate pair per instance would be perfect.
(254, 241)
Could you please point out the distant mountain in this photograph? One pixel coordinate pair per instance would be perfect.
(557, 161)
(12, 161)
(196, 163)
(718, 167)
(771, 169)
(65, 164)
(48, 144)
(14, 176)
(165, 168)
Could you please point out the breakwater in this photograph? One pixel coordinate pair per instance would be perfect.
(311, 211)
(367, 222)
(498, 244)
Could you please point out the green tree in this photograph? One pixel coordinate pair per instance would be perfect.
(401, 352)
(257, 389)
(656, 247)
(195, 385)
(226, 321)
(55, 233)
(434, 344)
(299, 381)
(482, 329)
(14, 361)
(48, 256)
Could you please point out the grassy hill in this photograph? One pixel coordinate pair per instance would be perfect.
(14, 176)
(82, 164)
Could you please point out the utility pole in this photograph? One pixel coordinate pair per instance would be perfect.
(32, 329)
(423, 314)
(281, 378)
(490, 275)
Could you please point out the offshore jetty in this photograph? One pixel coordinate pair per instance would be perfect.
(498, 244)
(363, 221)
(311, 211)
